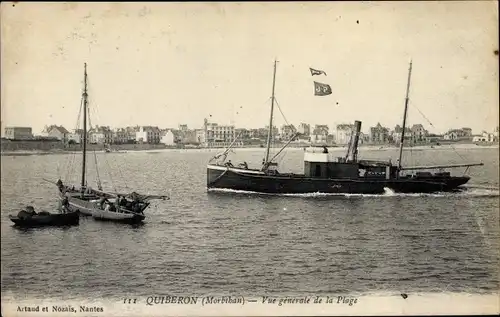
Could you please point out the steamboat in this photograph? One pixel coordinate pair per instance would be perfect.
(325, 173)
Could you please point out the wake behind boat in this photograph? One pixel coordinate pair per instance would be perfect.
(99, 204)
(325, 173)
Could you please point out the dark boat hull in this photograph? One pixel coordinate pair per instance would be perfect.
(64, 219)
(255, 181)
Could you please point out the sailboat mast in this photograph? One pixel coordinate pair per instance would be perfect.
(270, 132)
(85, 104)
(401, 144)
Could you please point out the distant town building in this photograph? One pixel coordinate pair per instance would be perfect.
(319, 134)
(131, 133)
(343, 133)
(467, 132)
(456, 134)
(263, 132)
(168, 138)
(196, 136)
(274, 134)
(379, 134)
(304, 129)
(397, 132)
(287, 131)
(18, 133)
(120, 136)
(76, 136)
(56, 132)
(148, 134)
(419, 133)
(217, 135)
(485, 137)
(243, 134)
(101, 135)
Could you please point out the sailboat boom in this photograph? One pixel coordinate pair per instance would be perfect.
(440, 166)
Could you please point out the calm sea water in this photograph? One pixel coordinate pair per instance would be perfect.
(203, 242)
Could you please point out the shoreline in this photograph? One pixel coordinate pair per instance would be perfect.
(371, 147)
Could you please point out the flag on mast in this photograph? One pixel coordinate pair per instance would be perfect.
(316, 72)
(321, 89)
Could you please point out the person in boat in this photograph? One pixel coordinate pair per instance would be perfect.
(137, 207)
(30, 210)
(26, 213)
(103, 201)
(124, 201)
(88, 190)
(65, 204)
(229, 164)
(112, 207)
(325, 149)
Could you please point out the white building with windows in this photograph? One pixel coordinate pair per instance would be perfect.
(214, 134)
(168, 138)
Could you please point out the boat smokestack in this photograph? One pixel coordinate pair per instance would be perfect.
(357, 131)
(352, 151)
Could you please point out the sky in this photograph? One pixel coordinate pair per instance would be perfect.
(166, 64)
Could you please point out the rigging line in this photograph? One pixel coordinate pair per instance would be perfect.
(453, 148)
(422, 114)
(279, 108)
(109, 173)
(99, 186)
(286, 121)
(70, 159)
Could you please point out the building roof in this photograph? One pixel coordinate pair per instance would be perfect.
(60, 128)
(399, 129)
(151, 128)
(379, 127)
(345, 126)
(320, 130)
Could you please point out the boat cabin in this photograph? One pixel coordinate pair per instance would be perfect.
(318, 163)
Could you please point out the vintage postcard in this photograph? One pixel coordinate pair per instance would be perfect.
(249, 158)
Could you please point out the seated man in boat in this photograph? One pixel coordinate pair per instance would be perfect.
(30, 211)
(137, 208)
(111, 207)
(123, 201)
(65, 204)
(229, 164)
(243, 165)
(325, 149)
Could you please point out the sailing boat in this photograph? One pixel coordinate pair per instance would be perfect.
(101, 205)
(325, 173)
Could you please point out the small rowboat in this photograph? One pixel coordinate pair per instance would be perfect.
(29, 218)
